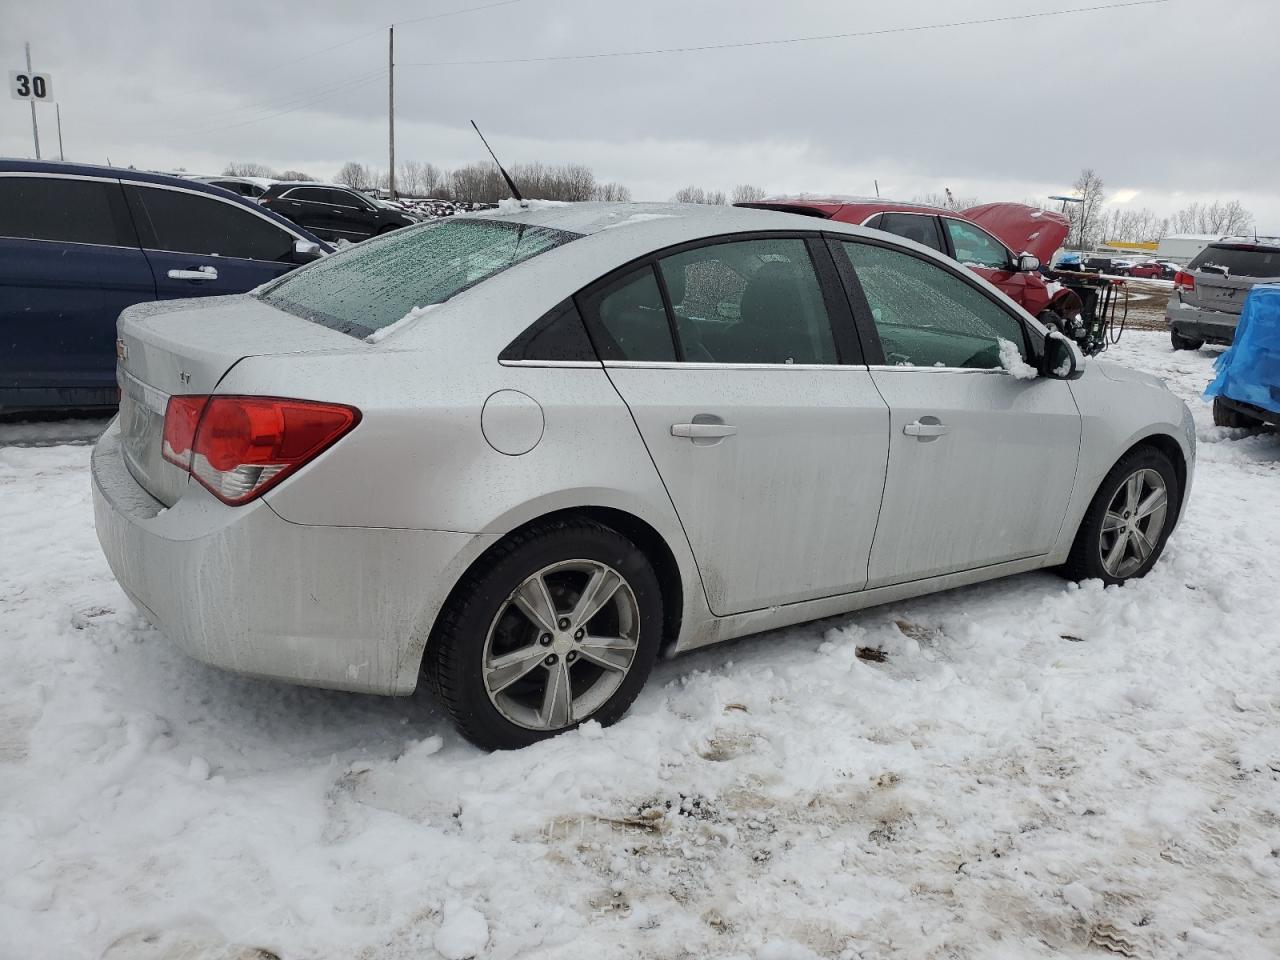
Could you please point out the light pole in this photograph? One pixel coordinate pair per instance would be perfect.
(1065, 201)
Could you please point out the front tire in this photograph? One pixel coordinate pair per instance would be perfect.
(1129, 521)
(560, 624)
(1183, 343)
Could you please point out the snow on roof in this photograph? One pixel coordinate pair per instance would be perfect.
(593, 217)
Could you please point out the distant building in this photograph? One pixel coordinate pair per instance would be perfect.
(1183, 246)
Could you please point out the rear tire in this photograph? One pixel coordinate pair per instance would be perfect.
(1128, 523)
(1183, 343)
(1225, 416)
(512, 672)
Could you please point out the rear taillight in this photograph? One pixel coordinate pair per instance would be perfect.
(1183, 281)
(240, 447)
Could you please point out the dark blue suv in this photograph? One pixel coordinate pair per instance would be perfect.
(80, 243)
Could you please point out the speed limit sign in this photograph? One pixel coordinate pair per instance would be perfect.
(37, 87)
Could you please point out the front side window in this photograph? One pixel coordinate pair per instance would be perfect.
(750, 301)
(928, 317)
(976, 246)
(913, 226)
(55, 208)
(375, 284)
(183, 222)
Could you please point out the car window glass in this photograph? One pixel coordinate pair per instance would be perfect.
(52, 208)
(382, 280)
(1238, 261)
(976, 246)
(753, 301)
(913, 226)
(189, 223)
(927, 316)
(309, 194)
(342, 198)
(634, 321)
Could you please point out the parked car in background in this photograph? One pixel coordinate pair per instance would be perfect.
(619, 429)
(1145, 270)
(1097, 264)
(1121, 267)
(80, 243)
(334, 212)
(251, 187)
(1210, 293)
(1004, 243)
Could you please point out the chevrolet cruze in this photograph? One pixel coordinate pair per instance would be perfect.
(522, 454)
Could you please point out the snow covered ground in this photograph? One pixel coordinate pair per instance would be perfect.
(1021, 769)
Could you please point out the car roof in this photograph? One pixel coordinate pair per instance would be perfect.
(69, 169)
(694, 219)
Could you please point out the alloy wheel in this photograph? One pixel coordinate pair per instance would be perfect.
(561, 644)
(1133, 523)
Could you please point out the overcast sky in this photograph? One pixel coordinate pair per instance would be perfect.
(1169, 102)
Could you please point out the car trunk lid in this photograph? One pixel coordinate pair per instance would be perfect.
(187, 347)
(1213, 291)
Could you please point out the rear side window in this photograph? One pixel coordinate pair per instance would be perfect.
(633, 319)
(913, 226)
(182, 222)
(53, 208)
(752, 301)
(375, 284)
(1238, 260)
(311, 194)
(928, 317)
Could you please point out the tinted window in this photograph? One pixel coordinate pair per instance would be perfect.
(73, 211)
(633, 320)
(928, 317)
(312, 194)
(976, 246)
(755, 301)
(189, 223)
(1238, 261)
(377, 283)
(341, 198)
(913, 226)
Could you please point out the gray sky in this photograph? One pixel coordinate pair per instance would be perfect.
(1169, 103)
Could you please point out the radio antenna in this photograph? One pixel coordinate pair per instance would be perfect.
(515, 191)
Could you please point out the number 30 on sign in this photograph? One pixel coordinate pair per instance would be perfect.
(30, 86)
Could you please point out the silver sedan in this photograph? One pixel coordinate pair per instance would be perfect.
(522, 454)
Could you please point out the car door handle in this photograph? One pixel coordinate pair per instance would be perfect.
(703, 431)
(201, 273)
(928, 428)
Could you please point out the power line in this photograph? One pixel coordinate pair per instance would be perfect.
(701, 48)
(352, 84)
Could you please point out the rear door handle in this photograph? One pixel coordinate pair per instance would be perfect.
(703, 431)
(202, 273)
(926, 428)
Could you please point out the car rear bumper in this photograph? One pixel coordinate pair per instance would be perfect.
(1196, 324)
(242, 589)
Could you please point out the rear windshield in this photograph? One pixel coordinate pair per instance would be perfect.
(375, 284)
(1238, 261)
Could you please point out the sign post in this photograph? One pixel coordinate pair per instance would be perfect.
(34, 88)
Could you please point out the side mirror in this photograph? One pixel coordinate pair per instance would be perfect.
(1028, 264)
(1063, 359)
(304, 251)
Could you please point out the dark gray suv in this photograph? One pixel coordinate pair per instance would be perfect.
(1209, 294)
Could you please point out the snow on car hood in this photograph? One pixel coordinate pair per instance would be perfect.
(1023, 229)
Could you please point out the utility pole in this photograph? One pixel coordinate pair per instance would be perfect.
(58, 110)
(391, 107)
(35, 130)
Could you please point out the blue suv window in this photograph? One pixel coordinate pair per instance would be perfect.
(56, 208)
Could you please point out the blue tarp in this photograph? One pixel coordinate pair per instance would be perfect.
(1250, 370)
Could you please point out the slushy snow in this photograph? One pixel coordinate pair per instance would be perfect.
(939, 778)
(1012, 363)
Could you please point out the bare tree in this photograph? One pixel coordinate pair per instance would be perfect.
(1086, 217)
(698, 195)
(1217, 217)
(357, 176)
(296, 175)
(615, 192)
(747, 193)
(249, 169)
(945, 201)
